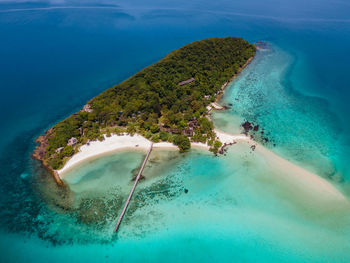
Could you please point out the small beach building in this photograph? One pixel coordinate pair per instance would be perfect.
(86, 108)
(189, 131)
(72, 141)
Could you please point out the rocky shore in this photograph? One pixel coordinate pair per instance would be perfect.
(39, 153)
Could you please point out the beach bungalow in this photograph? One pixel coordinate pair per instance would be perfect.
(189, 131)
(72, 141)
(86, 108)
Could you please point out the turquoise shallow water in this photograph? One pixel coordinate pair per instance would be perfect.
(237, 208)
(300, 127)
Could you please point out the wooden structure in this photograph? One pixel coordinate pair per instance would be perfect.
(133, 188)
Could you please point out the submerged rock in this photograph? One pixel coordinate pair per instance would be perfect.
(247, 126)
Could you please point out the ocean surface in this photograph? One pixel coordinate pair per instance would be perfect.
(56, 55)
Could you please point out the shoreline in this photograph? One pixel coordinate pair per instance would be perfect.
(293, 174)
(223, 87)
(125, 141)
(300, 179)
(74, 160)
(215, 105)
(40, 150)
(296, 177)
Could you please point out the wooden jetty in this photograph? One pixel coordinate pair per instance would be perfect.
(133, 188)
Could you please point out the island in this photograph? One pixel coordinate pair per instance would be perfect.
(168, 102)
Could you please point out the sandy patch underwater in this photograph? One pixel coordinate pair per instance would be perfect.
(299, 126)
(238, 207)
(69, 70)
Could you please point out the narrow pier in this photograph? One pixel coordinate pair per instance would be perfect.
(133, 188)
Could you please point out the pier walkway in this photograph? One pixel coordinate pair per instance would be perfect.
(133, 188)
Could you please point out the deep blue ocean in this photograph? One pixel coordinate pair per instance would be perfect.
(56, 55)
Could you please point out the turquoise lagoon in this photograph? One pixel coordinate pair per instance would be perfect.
(298, 126)
(238, 208)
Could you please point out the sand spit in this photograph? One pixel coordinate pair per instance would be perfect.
(296, 176)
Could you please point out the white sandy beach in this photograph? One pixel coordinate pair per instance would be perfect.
(297, 177)
(125, 141)
(110, 144)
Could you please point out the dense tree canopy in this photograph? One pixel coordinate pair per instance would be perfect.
(153, 103)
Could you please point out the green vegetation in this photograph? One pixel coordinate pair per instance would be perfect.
(215, 146)
(182, 142)
(153, 104)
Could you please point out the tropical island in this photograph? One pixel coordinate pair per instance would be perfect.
(166, 102)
